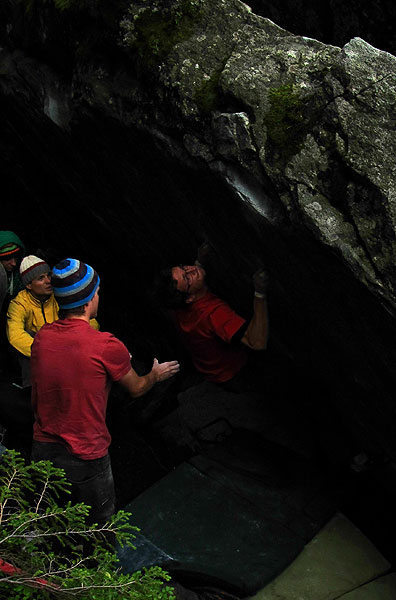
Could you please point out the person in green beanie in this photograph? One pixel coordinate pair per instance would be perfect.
(11, 254)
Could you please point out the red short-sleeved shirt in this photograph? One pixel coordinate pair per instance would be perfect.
(72, 367)
(206, 328)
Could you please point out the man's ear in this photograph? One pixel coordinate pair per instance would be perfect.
(28, 286)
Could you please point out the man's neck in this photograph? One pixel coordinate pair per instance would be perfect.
(80, 317)
(198, 295)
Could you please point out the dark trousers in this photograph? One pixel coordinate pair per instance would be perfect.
(91, 480)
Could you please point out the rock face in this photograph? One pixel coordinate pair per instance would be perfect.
(334, 21)
(195, 120)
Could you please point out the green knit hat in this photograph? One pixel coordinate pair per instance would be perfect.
(10, 244)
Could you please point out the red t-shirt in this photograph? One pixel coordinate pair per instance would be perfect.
(72, 367)
(206, 328)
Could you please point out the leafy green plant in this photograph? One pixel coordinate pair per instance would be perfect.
(41, 542)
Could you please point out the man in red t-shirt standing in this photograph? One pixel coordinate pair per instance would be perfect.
(73, 366)
(214, 334)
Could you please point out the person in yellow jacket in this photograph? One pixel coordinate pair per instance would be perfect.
(31, 309)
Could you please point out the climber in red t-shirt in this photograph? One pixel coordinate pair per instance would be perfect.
(214, 334)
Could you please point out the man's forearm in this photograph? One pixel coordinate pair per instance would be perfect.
(139, 385)
(256, 334)
(143, 384)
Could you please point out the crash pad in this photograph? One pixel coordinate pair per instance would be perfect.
(338, 560)
(383, 588)
(234, 514)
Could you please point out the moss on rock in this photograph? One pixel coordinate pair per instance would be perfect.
(154, 30)
(285, 121)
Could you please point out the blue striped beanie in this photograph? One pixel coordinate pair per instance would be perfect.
(74, 283)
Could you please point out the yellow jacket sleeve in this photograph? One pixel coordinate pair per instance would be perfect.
(17, 336)
(94, 324)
